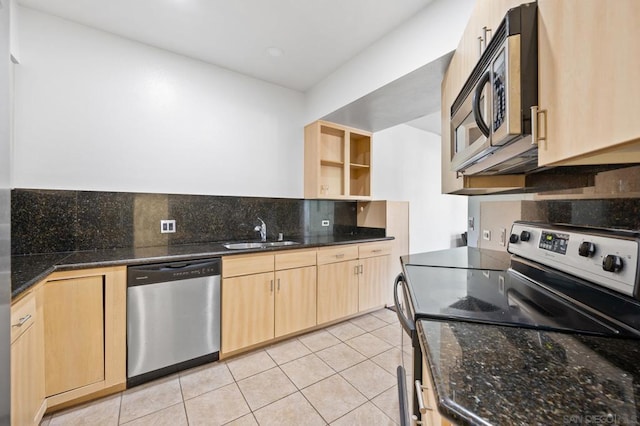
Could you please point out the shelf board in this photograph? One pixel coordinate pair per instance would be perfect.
(360, 166)
(331, 163)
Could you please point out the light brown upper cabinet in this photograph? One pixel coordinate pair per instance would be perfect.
(337, 162)
(589, 85)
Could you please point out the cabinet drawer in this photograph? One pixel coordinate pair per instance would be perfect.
(23, 315)
(295, 259)
(337, 254)
(374, 249)
(233, 266)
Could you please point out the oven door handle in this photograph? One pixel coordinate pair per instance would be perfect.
(409, 326)
(475, 105)
(405, 419)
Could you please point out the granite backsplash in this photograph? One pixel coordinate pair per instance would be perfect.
(50, 221)
(621, 213)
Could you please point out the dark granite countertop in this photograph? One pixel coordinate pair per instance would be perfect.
(486, 374)
(27, 270)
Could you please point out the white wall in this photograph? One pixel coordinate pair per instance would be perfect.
(407, 168)
(95, 111)
(98, 112)
(433, 32)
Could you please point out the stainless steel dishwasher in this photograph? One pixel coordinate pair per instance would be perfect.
(173, 317)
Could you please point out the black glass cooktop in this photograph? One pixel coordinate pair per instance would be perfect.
(461, 257)
(501, 297)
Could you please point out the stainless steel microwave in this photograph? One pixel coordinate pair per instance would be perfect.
(491, 117)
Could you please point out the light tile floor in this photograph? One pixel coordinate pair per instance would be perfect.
(344, 374)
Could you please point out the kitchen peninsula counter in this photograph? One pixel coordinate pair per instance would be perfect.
(487, 374)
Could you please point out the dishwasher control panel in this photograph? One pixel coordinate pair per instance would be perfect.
(172, 271)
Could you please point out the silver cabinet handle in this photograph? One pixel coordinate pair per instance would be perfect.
(21, 321)
(360, 268)
(339, 256)
(278, 284)
(376, 251)
(480, 40)
(271, 286)
(423, 409)
(355, 270)
(486, 34)
(535, 128)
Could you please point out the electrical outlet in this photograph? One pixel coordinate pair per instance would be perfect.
(486, 234)
(167, 226)
(325, 222)
(503, 237)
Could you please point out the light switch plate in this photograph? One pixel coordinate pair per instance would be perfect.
(325, 223)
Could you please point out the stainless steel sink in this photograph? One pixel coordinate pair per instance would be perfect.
(245, 246)
(280, 243)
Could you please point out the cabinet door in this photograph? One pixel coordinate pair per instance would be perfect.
(27, 365)
(247, 310)
(588, 63)
(73, 333)
(337, 290)
(372, 286)
(295, 302)
(25, 396)
(432, 416)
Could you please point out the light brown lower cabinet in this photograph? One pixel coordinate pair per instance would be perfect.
(27, 364)
(372, 282)
(247, 310)
(295, 301)
(432, 417)
(76, 348)
(374, 279)
(257, 307)
(73, 333)
(337, 290)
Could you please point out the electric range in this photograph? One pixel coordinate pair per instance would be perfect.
(557, 279)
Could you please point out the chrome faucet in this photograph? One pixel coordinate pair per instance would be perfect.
(262, 229)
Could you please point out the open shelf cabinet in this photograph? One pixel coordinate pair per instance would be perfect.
(337, 162)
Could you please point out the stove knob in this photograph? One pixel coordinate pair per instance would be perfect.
(525, 236)
(513, 239)
(586, 249)
(612, 263)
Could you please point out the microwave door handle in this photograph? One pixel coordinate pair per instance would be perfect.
(475, 105)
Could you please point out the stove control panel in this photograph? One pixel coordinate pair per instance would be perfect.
(606, 258)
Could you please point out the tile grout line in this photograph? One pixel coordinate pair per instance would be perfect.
(296, 357)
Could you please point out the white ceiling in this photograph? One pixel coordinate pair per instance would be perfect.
(315, 36)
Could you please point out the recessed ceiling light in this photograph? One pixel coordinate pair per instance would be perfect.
(275, 52)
